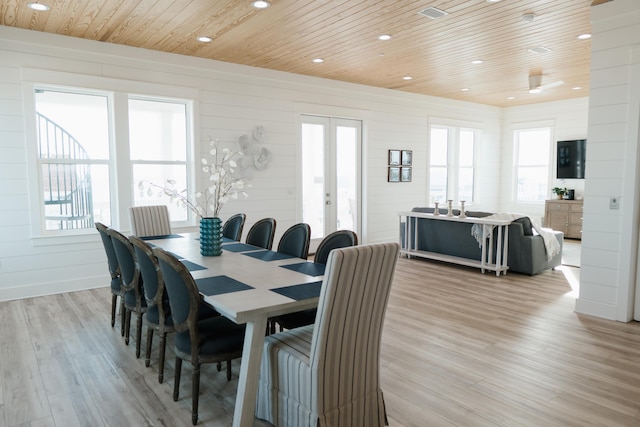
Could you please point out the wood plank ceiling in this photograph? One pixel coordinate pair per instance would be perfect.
(287, 36)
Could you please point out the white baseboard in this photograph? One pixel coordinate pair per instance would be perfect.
(51, 288)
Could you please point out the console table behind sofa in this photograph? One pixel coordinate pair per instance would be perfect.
(449, 239)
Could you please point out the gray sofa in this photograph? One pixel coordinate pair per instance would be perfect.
(526, 254)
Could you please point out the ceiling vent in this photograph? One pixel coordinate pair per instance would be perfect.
(539, 49)
(433, 13)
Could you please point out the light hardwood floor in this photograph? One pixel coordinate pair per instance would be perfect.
(459, 349)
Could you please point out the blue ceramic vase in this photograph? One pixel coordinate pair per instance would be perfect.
(210, 236)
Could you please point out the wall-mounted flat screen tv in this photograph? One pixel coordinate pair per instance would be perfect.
(571, 158)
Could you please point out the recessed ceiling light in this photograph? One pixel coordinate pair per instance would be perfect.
(536, 90)
(318, 60)
(260, 4)
(385, 37)
(477, 61)
(407, 78)
(511, 97)
(205, 39)
(381, 54)
(584, 36)
(465, 89)
(38, 6)
(493, 1)
(577, 88)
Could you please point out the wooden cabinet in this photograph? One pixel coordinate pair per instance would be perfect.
(565, 216)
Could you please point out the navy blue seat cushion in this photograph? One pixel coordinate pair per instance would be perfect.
(218, 335)
(130, 299)
(115, 285)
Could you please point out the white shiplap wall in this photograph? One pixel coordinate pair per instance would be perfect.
(610, 237)
(568, 120)
(232, 99)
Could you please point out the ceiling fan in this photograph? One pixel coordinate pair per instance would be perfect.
(536, 86)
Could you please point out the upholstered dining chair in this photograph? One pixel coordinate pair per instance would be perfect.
(158, 314)
(150, 220)
(328, 374)
(134, 300)
(295, 241)
(261, 233)
(335, 240)
(212, 340)
(114, 271)
(232, 227)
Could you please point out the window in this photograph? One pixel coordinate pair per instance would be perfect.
(532, 164)
(451, 164)
(79, 138)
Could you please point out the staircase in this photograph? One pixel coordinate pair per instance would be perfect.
(66, 182)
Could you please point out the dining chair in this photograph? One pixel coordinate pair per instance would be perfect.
(328, 374)
(158, 314)
(114, 271)
(134, 300)
(337, 239)
(232, 227)
(295, 241)
(211, 340)
(261, 233)
(150, 220)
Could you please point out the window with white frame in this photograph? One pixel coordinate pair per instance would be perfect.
(451, 163)
(86, 159)
(532, 156)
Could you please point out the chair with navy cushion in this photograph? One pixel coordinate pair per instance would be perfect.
(114, 271)
(232, 228)
(158, 314)
(335, 240)
(134, 299)
(211, 340)
(295, 241)
(261, 233)
(150, 220)
(328, 373)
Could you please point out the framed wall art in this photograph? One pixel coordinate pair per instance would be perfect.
(394, 157)
(405, 174)
(406, 157)
(394, 174)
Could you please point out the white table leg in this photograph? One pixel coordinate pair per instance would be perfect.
(244, 413)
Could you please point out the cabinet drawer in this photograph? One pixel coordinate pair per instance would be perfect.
(575, 218)
(576, 207)
(575, 232)
(558, 206)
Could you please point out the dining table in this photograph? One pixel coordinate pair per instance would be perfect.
(248, 285)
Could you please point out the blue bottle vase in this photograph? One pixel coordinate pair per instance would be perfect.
(210, 236)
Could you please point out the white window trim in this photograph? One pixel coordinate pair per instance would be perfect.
(121, 89)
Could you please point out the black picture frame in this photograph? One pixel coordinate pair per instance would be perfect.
(393, 174)
(394, 157)
(407, 157)
(405, 174)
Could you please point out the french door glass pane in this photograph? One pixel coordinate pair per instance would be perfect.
(313, 179)
(346, 149)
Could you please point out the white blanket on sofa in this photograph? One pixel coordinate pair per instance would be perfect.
(551, 245)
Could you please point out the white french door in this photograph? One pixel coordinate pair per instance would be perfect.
(331, 170)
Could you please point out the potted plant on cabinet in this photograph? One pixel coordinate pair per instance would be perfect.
(560, 192)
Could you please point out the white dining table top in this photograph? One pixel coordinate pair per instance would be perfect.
(254, 278)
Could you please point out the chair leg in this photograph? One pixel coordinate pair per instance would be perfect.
(195, 392)
(147, 356)
(163, 345)
(114, 305)
(127, 325)
(229, 370)
(138, 334)
(123, 315)
(176, 381)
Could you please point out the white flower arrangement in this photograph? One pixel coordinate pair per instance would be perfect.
(224, 184)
